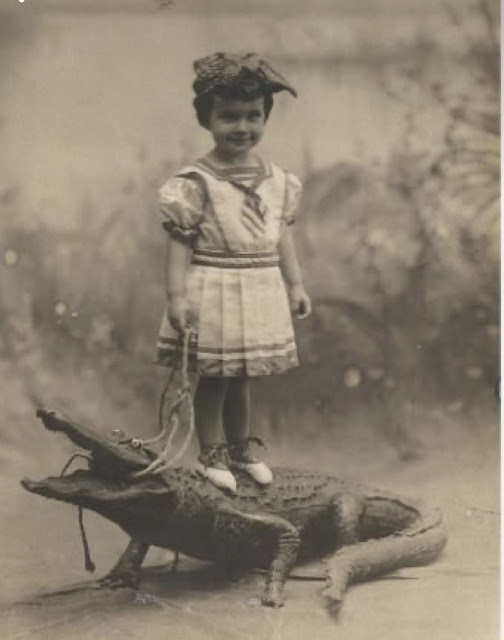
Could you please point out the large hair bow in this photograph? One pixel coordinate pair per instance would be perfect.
(224, 69)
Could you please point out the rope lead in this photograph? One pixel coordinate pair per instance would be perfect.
(88, 563)
(160, 463)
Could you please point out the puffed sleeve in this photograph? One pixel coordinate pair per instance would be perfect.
(181, 202)
(292, 196)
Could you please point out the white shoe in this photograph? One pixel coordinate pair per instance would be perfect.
(213, 464)
(241, 458)
(260, 472)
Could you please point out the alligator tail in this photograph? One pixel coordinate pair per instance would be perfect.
(419, 544)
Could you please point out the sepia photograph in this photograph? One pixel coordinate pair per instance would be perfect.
(250, 319)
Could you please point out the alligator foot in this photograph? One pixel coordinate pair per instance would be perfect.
(337, 577)
(334, 599)
(277, 534)
(115, 580)
(272, 598)
(126, 572)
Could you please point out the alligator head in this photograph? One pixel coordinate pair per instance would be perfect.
(109, 486)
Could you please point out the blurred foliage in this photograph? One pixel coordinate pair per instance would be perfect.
(403, 259)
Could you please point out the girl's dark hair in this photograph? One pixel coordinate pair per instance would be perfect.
(203, 103)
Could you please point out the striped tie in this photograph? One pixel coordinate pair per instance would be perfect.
(253, 212)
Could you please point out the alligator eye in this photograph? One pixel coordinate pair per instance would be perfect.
(136, 443)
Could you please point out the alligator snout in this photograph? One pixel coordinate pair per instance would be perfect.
(52, 419)
(62, 487)
(30, 485)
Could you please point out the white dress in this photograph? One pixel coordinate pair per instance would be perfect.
(238, 305)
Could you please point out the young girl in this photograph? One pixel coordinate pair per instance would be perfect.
(232, 273)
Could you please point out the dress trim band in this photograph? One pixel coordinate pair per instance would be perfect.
(227, 260)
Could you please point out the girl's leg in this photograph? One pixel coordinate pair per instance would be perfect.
(237, 410)
(236, 416)
(208, 409)
(208, 417)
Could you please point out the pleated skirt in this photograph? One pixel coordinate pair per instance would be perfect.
(239, 316)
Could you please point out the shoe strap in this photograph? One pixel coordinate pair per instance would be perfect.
(214, 454)
(257, 440)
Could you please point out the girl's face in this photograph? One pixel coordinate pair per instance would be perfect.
(236, 125)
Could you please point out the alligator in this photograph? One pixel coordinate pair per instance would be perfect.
(361, 533)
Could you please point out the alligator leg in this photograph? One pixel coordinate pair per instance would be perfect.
(265, 535)
(125, 572)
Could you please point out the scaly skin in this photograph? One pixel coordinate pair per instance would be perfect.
(362, 532)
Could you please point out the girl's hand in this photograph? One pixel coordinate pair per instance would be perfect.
(300, 302)
(177, 312)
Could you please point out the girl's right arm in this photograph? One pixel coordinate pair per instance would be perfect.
(177, 260)
(181, 207)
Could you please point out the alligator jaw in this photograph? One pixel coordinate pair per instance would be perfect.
(77, 488)
(120, 455)
(84, 488)
(108, 484)
(33, 486)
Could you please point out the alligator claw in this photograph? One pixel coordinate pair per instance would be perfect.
(272, 598)
(119, 581)
(275, 604)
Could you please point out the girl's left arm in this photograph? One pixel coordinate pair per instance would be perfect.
(289, 266)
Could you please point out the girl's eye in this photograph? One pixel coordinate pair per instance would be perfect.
(231, 116)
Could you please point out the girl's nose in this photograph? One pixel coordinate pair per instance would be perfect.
(241, 125)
